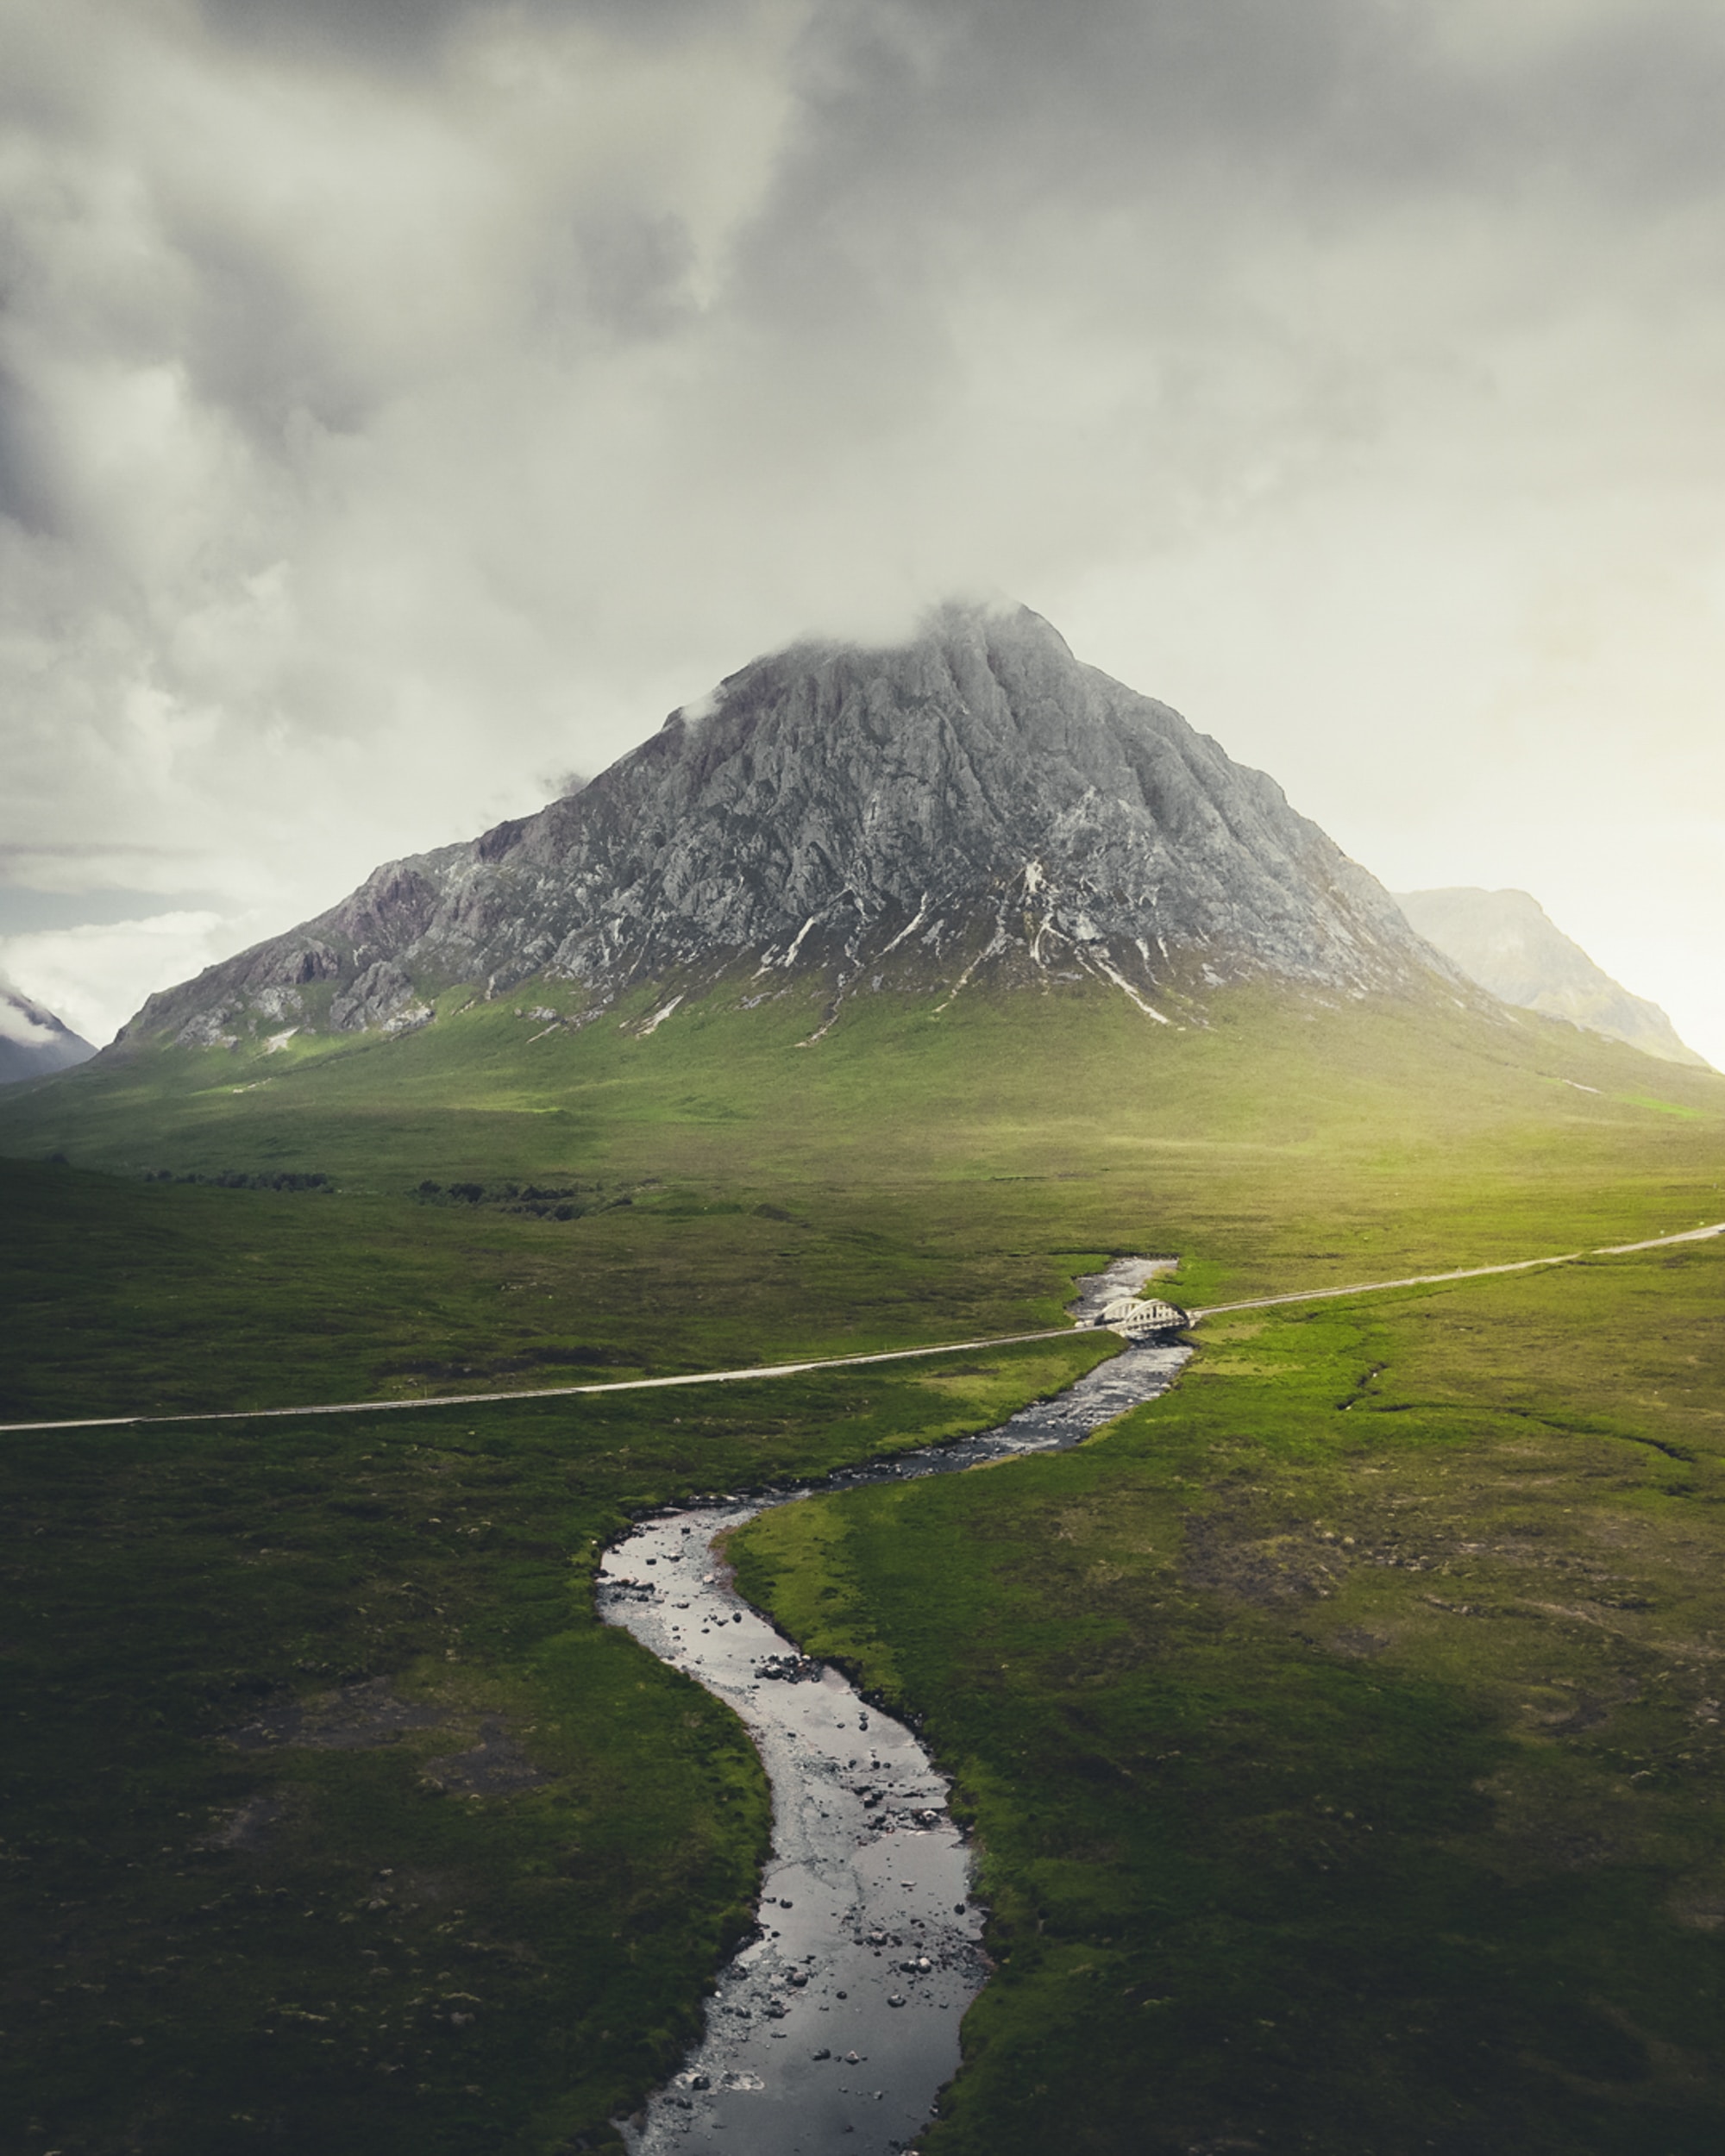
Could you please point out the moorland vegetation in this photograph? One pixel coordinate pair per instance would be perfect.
(1340, 1733)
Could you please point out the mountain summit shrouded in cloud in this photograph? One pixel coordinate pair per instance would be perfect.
(33, 1043)
(400, 402)
(973, 805)
(1506, 942)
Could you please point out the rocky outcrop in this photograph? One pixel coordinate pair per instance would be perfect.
(33, 1043)
(1506, 942)
(974, 804)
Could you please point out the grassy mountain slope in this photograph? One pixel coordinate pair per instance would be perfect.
(727, 1194)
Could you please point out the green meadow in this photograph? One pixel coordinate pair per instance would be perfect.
(1340, 1733)
(375, 1939)
(1343, 1734)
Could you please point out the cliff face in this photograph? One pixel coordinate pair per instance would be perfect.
(974, 799)
(33, 1043)
(1506, 942)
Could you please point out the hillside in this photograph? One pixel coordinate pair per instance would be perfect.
(1506, 942)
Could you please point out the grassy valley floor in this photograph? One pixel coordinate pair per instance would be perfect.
(1343, 1734)
(336, 1820)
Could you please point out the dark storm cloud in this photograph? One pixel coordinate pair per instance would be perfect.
(1352, 93)
(253, 341)
(27, 484)
(987, 110)
(1165, 172)
(412, 33)
(390, 29)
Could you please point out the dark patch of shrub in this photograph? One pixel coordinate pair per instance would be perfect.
(240, 1178)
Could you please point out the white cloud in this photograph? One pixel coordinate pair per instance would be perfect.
(407, 403)
(93, 979)
(18, 1022)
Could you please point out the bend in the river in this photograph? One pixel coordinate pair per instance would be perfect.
(839, 2021)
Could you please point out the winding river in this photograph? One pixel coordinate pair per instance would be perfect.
(837, 2024)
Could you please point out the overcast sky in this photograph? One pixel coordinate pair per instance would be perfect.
(408, 402)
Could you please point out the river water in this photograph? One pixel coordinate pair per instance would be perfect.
(837, 2025)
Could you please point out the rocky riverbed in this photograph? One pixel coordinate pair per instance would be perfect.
(837, 2025)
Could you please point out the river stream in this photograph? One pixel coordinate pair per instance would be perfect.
(837, 2025)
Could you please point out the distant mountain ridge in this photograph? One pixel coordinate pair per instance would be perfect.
(33, 1043)
(974, 803)
(1506, 942)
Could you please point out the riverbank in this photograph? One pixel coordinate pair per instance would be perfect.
(867, 1947)
(336, 1817)
(1341, 1735)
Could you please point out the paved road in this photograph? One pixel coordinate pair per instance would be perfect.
(852, 1362)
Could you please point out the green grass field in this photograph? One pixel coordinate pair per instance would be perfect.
(217, 1948)
(1343, 1734)
(1163, 1671)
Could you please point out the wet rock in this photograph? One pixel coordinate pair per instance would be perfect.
(789, 1669)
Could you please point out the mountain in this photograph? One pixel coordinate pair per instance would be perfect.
(973, 804)
(1506, 941)
(33, 1041)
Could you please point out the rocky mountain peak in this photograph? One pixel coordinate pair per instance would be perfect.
(974, 803)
